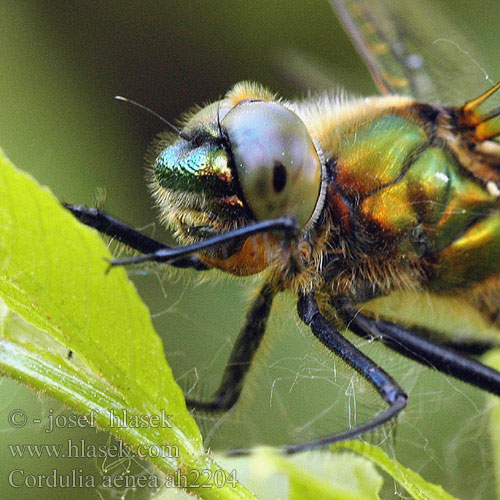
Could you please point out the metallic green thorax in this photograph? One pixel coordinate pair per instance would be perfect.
(404, 190)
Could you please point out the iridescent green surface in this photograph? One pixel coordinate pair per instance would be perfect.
(409, 182)
(192, 170)
(62, 63)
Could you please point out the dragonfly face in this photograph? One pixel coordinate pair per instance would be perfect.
(392, 198)
(246, 158)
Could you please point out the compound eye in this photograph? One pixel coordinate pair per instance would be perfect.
(277, 163)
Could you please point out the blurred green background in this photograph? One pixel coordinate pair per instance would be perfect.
(62, 63)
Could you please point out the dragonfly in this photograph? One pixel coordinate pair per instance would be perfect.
(356, 205)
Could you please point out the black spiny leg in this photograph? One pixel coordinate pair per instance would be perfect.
(241, 356)
(182, 256)
(426, 352)
(385, 385)
(112, 227)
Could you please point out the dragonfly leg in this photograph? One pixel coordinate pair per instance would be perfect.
(241, 356)
(385, 385)
(110, 226)
(423, 350)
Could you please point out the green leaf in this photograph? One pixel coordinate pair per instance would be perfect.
(308, 476)
(412, 482)
(59, 295)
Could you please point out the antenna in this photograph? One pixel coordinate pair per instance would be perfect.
(154, 113)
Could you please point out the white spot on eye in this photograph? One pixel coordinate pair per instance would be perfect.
(493, 189)
(442, 177)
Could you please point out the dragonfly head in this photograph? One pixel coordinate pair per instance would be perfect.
(242, 159)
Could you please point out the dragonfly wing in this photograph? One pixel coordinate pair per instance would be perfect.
(413, 50)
